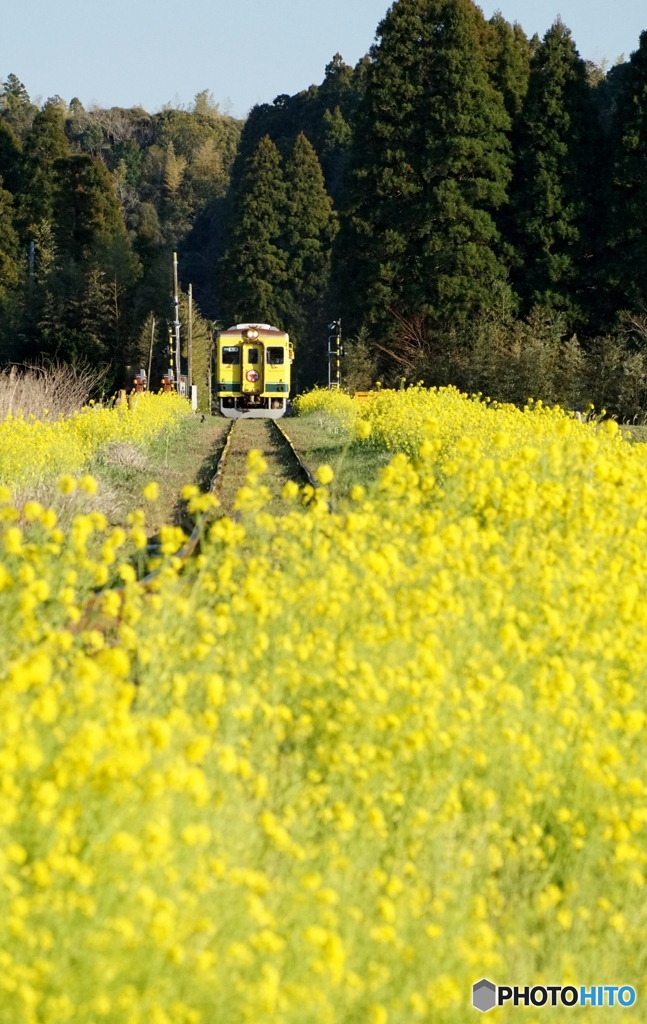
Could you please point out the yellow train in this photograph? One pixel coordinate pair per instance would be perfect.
(253, 364)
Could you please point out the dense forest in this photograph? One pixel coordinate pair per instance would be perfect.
(470, 201)
(92, 205)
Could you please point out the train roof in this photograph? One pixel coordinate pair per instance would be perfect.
(265, 328)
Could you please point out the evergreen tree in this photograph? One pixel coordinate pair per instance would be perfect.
(335, 150)
(88, 217)
(10, 158)
(255, 266)
(339, 88)
(325, 114)
(92, 327)
(510, 52)
(338, 134)
(16, 107)
(9, 260)
(311, 226)
(84, 270)
(626, 259)
(11, 279)
(149, 237)
(310, 229)
(555, 190)
(431, 167)
(91, 235)
(45, 144)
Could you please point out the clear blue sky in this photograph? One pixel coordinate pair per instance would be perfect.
(246, 51)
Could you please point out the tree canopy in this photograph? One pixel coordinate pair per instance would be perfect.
(255, 266)
(556, 182)
(458, 177)
(431, 165)
(626, 191)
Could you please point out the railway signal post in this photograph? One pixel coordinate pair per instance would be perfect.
(335, 352)
(189, 343)
(176, 321)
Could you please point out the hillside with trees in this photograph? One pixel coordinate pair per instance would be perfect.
(102, 198)
(469, 200)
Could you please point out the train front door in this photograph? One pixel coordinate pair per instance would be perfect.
(252, 368)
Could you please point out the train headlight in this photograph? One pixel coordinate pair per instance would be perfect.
(251, 335)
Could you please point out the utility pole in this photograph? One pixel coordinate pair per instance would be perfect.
(176, 323)
(150, 355)
(189, 371)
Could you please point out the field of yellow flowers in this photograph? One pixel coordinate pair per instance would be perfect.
(344, 764)
(36, 451)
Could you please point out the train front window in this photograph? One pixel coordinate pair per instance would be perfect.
(252, 355)
(275, 355)
(231, 355)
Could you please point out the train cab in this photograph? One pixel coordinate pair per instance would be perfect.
(253, 367)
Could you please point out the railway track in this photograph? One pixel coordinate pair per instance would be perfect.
(305, 469)
(235, 448)
(192, 543)
(232, 449)
(283, 463)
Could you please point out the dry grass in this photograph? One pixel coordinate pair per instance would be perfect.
(125, 455)
(108, 500)
(53, 390)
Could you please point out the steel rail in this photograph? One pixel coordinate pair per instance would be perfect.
(185, 552)
(305, 469)
(214, 486)
(193, 541)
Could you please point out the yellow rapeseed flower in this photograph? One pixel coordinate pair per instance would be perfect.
(352, 760)
(151, 491)
(324, 474)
